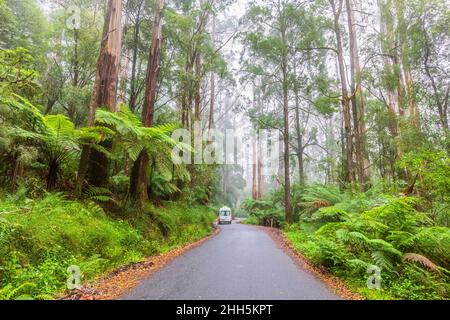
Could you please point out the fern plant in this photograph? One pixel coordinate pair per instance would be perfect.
(22, 292)
(55, 137)
(132, 138)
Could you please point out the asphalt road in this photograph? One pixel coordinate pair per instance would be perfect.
(241, 262)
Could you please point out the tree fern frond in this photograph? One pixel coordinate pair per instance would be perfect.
(60, 125)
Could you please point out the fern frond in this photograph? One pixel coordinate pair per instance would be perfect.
(383, 246)
(422, 260)
(383, 261)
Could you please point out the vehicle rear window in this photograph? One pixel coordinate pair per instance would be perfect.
(224, 213)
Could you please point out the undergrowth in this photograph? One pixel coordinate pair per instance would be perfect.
(41, 238)
(392, 233)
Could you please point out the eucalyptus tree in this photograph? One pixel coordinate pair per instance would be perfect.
(137, 37)
(139, 178)
(26, 27)
(357, 97)
(278, 33)
(266, 37)
(337, 7)
(93, 162)
(193, 53)
(429, 51)
(69, 77)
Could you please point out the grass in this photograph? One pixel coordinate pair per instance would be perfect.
(40, 239)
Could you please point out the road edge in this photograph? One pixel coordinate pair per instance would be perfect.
(122, 280)
(335, 284)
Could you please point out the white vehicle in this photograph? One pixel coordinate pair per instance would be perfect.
(225, 216)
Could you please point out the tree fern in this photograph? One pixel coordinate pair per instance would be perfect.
(319, 196)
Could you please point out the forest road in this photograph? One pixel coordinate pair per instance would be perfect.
(242, 262)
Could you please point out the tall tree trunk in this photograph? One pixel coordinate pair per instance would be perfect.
(254, 170)
(139, 177)
(408, 91)
(213, 85)
(260, 155)
(393, 66)
(349, 174)
(301, 169)
(260, 170)
(187, 96)
(124, 67)
(287, 176)
(442, 105)
(76, 63)
(72, 107)
(137, 30)
(198, 99)
(357, 100)
(93, 162)
(343, 173)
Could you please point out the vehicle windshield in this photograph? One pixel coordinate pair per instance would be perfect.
(225, 213)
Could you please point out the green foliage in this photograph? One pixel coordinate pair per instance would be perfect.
(40, 238)
(321, 195)
(54, 138)
(16, 72)
(177, 223)
(132, 137)
(265, 211)
(251, 220)
(27, 28)
(326, 106)
(329, 214)
(433, 175)
(19, 293)
(389, 233)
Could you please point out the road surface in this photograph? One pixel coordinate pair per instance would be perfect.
(242, 263)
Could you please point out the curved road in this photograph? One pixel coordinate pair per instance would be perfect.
(240, 263)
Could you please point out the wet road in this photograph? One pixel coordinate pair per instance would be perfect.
(241, 262)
